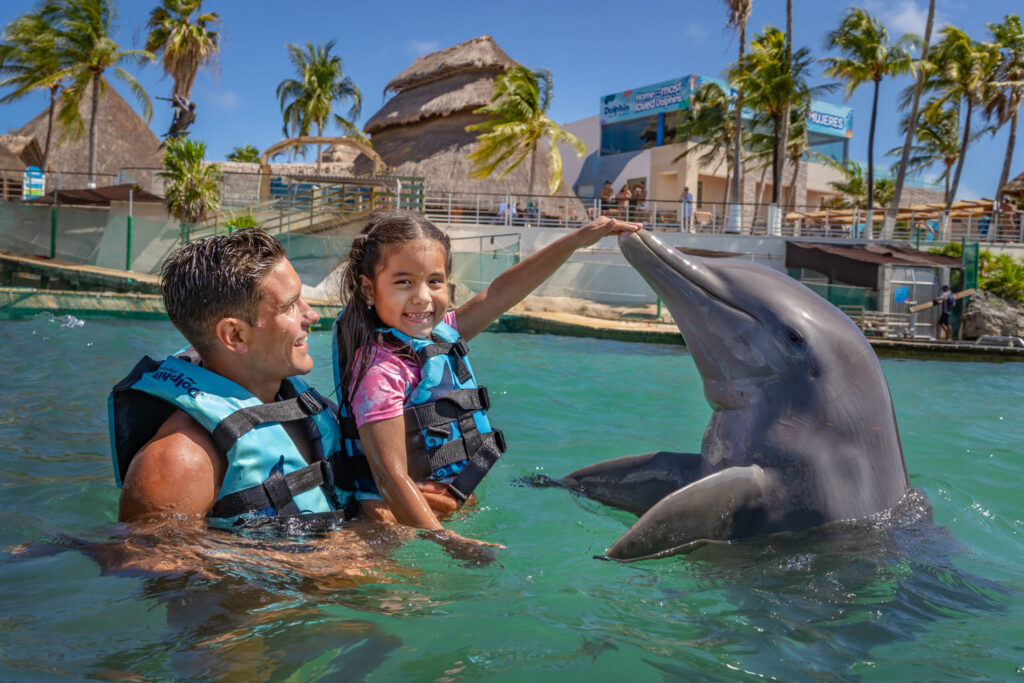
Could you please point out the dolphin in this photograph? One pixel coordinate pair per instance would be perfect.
(803, 431)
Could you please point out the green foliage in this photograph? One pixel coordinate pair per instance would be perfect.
(308, 100)
(247, 154)
(518, 123)
(243, 220)
(192, 187)
(182, 43)
(1001, 274)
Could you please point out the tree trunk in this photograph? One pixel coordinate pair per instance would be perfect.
(901, 173)
(776, 162)
(760, 196)
(49, 126)
(533, 168)
(319, 147)
(963, 155)
(737, 167)
(783, 138)
(871, 148)
(1008, 159)
(791, 195)
(92, 128)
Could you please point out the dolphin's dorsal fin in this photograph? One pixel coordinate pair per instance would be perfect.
(706, 510)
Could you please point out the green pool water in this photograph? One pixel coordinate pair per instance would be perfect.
(935, 600)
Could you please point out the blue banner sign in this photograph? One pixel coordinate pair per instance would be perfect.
(33, 183)
(650, 99)
(830, 119)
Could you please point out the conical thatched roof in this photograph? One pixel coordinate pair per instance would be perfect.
(123, 140)
(18, 152)
(421, 131)
(474, 55)
(463, 91)
(1015, 188)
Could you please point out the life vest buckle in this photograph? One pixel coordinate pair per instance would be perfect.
(309, 405)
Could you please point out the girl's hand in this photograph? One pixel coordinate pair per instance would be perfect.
(439, 498)
(590, 233)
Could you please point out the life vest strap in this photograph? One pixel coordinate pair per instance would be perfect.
(243, 420)
(492, 445)
(450, 407)
(457, 351)
(278, 491)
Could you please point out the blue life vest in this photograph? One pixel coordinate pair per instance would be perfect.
(266, 475)
(447, 430)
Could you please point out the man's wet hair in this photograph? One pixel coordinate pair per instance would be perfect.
(215, 278)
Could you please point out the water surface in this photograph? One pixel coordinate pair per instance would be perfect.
(929, 600)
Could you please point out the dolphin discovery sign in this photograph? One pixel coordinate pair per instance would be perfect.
(650, 99)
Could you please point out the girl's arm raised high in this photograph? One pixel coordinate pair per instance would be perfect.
(517, 282)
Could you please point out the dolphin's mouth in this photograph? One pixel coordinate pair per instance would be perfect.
(635, 245)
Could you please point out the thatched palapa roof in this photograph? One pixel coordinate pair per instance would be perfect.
(18, 152)
(1015, 188)
(464, 91)
(474, 55)
(123, 140)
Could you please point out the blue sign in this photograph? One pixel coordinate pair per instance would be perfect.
(33, 183)
(650, 99)
(830, 119)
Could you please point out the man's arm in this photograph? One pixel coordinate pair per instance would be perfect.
(179, 471)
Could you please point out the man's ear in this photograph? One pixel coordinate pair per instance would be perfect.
(234, 334)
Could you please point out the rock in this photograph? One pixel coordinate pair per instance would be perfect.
(990, 314)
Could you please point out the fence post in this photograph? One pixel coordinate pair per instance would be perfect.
(128, 240)
(53, 226)
(477, 209)
(449, 207)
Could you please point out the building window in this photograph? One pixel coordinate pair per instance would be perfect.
(629, 136)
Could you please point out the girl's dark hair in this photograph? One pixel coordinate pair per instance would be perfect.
(358, 324)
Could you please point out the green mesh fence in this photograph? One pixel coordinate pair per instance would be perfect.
(844, 295)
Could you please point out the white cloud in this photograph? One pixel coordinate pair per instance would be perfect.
(224, 99)
(418, 48)
(906, 16)
(695, 32)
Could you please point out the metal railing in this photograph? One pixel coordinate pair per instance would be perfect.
(511, 210)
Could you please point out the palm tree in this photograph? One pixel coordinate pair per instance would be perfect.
(28, 60)
(309, 99)
(867, 55)
(938, 142)
(772, 83)
(782, 143)
(901, 171)
(710, 125)
(1007, 92)
(739, 14)
(962, 70)
(191, 189)
(183, 44)
(84, 49)
(854, 187)
(519, 123)
(247, 154)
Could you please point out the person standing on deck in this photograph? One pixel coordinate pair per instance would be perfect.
(686, 210)
(946, 301)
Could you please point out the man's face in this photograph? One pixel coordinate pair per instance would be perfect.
(278, 347)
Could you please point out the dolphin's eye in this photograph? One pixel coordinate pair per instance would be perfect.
(795, 337)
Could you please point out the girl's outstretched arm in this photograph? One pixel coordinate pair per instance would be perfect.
(517, 282)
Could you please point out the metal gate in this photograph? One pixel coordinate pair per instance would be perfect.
(909, 285)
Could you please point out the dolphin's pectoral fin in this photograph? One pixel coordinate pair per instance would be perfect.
(706, 510)
(635, 482)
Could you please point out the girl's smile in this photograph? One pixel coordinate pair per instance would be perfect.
(410, 290)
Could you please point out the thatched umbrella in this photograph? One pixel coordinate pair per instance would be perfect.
(421, 131)
(1015, 188)
(123, 141)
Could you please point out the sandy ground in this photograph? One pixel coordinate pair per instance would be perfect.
(591, 309)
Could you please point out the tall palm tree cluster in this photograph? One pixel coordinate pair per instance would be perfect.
(960, 78)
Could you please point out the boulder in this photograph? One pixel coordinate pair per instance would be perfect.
(990, 314)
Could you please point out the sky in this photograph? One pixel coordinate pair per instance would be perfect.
(592, 48)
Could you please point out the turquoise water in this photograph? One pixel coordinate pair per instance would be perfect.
(935, 600)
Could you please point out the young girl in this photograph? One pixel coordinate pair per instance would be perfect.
(410, 407)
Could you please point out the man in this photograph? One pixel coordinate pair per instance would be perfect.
(234, 435)
(685, 210)
(946, 301)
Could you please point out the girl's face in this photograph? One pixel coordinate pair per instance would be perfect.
(410, 289)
